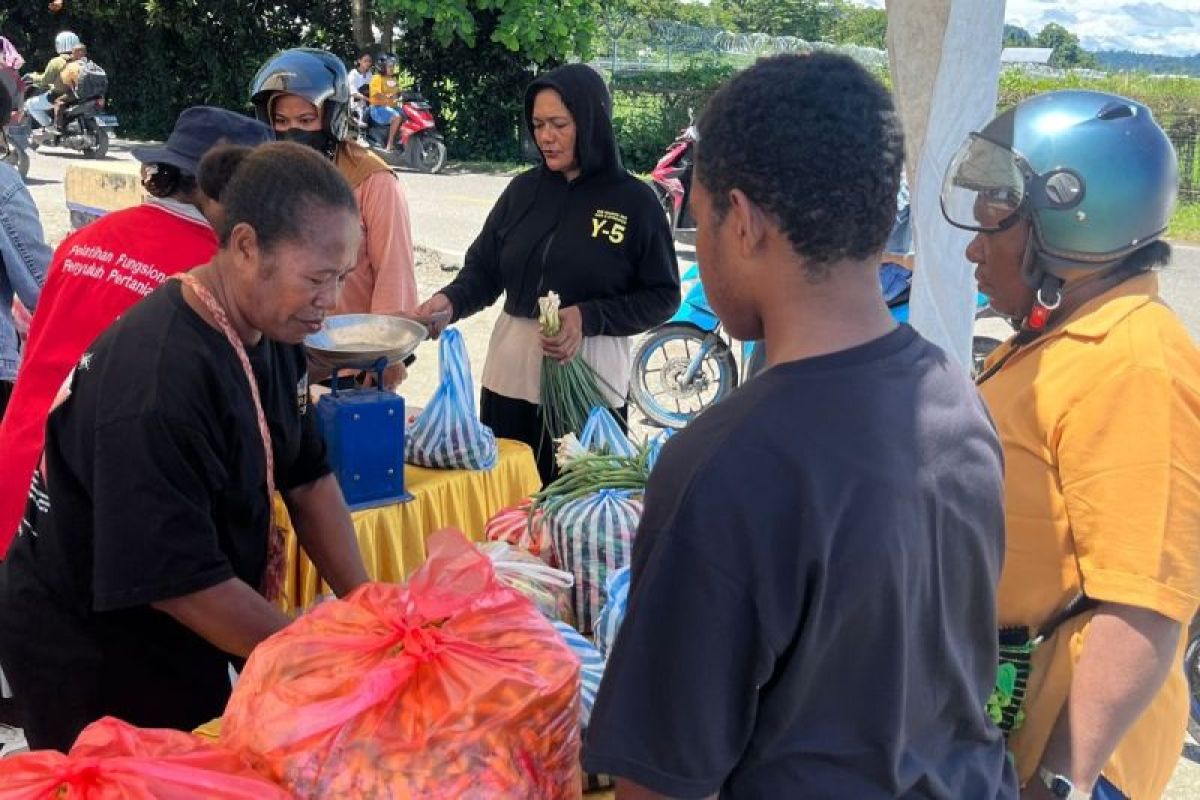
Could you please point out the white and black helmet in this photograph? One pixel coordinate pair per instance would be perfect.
(65, 42)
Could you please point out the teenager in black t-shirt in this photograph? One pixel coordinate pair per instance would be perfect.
(812, 612)
(148, 543)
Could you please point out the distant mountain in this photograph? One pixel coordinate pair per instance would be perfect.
(1128, 61)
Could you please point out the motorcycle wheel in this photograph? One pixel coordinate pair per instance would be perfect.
(659, 361)
(1191, 666)
(19, 158)
(427, 153)
(101, 148)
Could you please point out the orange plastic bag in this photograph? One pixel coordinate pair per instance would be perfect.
(112, 760)
(452, 686)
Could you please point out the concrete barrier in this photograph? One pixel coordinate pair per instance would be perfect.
(94, 190)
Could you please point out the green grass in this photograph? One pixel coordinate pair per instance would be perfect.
(1185, 225)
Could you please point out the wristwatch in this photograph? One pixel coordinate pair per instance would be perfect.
(1060, 786)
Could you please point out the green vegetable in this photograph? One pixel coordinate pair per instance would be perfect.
(569, 391)
(587, 474)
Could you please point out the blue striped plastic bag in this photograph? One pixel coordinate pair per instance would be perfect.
(592, 538)
(609, 621)
(448, 434)
(602, 434)
(591, 669)
(656, 446)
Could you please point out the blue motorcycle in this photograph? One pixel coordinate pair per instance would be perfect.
(687, 364)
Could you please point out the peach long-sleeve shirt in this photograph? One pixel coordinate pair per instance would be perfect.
(382, 281)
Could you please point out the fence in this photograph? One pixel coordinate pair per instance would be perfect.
(1184, 132)
(647, 120)
(633, 43)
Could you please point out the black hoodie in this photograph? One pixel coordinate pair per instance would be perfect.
(601, 241)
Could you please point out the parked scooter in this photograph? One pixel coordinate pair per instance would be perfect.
(85, 126)
(688, 364)
(672, 177)
(418, 143)
(14, 131)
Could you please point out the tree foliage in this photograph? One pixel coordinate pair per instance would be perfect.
(536, 30)
(1016, 36)
(165, 55)
(473, 59)
(1067, 50)
(812, 20)
(862, 26)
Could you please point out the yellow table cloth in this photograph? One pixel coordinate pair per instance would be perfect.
(392, 537)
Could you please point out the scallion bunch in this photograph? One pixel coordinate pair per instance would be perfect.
(569, 390)
(584, 475)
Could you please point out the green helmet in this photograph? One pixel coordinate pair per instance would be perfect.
(1093, 172)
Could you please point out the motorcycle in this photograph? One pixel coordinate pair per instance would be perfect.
(85, 125)
(14, 133)
(688, 364)
(419, 145)
(671, 178)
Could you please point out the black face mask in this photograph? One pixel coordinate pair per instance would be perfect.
(317, 140)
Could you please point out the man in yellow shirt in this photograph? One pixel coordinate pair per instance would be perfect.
(1097, 402)
(385, 97)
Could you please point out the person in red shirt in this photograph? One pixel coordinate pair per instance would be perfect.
(104, 268)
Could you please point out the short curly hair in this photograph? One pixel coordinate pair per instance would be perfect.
(814, 141)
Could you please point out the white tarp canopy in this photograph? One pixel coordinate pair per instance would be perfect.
(945, 66)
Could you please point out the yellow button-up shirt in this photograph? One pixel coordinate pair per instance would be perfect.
(1100, 423)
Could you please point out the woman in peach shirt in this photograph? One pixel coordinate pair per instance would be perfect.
(304, 95)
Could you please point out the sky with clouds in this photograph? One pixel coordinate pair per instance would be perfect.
(1169, 27)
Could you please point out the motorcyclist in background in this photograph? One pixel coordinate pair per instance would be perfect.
(51, 78)
(68, 79)
(385, 97)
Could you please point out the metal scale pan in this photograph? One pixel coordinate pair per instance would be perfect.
(363, 341)
(364, 429)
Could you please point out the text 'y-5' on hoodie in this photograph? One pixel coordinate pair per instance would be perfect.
(601, 241)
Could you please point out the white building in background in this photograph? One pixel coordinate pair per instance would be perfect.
(1031, 56)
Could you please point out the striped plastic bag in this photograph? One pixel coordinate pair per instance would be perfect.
(548, 588)
(591, 669)
(591, 672)
(609, 621)
(656, 446)
(593, 537)
(602, 434)
(513, 526)
(448, 434)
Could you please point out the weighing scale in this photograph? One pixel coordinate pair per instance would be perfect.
(364, 428)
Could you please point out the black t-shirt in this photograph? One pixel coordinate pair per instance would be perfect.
(812, 611)
(155, 487)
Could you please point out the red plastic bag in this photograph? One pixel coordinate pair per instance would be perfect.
(112, 760)
(453, 686)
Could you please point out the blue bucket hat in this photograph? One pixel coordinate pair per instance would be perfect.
(200, 129)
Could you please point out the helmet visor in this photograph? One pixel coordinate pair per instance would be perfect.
(985, 186)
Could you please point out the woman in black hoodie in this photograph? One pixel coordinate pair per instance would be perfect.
(579, 225)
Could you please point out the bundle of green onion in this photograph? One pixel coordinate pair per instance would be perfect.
(569, 390)
(587, 474)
